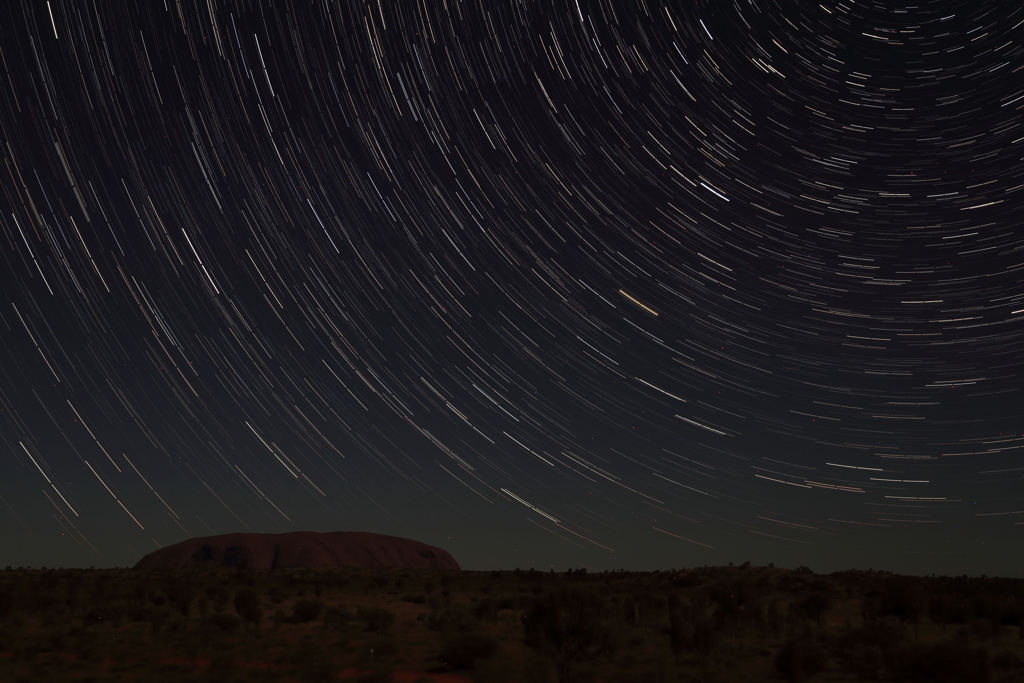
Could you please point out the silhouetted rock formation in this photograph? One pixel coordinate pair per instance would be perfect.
(300, 549)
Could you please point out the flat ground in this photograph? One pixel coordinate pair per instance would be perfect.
(120, 625)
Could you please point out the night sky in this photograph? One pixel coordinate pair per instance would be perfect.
(612, 284)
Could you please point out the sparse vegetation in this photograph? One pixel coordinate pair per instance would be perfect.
(721, 624)
(305, 611)
(466, 649)
(377, 619)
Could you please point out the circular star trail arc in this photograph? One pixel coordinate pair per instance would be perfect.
(580, 283)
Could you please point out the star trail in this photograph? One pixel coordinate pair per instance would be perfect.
(612, 284)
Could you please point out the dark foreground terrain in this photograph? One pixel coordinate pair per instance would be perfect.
(741, 623)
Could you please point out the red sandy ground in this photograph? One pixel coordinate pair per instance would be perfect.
(409, 676)
(347, 672)
(401, 676)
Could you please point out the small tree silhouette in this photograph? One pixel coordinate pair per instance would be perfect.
(571, 625)
(247, 605)
(181, 593)
(705, 640)
(6, 601)
(814, 606)
(680, 630)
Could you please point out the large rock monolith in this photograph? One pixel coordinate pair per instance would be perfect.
(300, 549)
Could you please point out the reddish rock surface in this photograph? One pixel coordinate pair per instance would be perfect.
(300, 549)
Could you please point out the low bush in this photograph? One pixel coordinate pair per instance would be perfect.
(141, 614)
(225, 623)
(950, 662)
(451, 618)
(463, 651)
(377, 619)
(306, 610)
(277, 594)
(1007, 660)
(486, 610)
(336, 617)
(108, 615)
(799, 659)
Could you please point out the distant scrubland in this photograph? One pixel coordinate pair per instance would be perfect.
(741, 623)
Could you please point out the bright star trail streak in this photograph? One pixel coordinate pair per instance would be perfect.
(531, 281)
